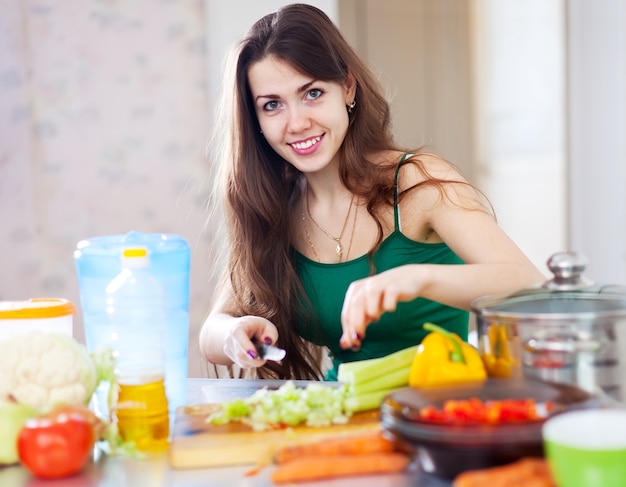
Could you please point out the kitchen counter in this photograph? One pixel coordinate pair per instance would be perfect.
(155, 471)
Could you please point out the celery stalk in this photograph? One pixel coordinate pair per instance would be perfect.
(363, 370)
(371, 400)
(395, 378)
(370, 381)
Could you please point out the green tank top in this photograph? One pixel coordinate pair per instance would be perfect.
(325, 286)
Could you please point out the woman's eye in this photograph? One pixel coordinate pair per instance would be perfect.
(271, 106)
(314, 93)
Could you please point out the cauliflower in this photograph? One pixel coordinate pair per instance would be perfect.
(43, 370)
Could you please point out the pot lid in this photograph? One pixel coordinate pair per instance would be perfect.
(568, 293)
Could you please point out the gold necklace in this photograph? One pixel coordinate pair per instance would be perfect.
(356, 213)
(308, 236)
(339, 248)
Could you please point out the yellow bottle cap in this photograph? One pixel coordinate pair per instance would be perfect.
(135, 252)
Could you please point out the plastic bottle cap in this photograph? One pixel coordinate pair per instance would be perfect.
(135, 257)
(135, 252)
(36, 308)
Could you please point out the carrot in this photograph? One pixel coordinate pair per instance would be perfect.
(526, 472)
(316, 467)
(353, 444)
(256, 470)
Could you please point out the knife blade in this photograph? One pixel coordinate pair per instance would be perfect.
(269, 352)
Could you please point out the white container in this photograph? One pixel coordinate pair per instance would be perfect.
(45, 314)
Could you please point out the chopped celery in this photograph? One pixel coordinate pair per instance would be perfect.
(315, 405)
(395, 378)
(232, 411)
(363, 370)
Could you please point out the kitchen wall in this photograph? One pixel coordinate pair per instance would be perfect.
(596, 145)
(520, 119)
(103, 126)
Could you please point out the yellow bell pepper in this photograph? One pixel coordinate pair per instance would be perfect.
(498, 360)
(444, 359)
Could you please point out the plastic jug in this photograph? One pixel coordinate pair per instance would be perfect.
(98, 262)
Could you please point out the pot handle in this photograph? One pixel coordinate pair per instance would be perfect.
(567, 268)
(570, 346)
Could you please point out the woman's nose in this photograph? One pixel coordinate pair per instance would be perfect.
(299, 119)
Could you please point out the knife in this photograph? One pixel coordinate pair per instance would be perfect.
(269, 352)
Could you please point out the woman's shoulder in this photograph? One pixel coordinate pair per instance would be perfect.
(419, 166)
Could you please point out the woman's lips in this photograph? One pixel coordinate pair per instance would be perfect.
(307, 146)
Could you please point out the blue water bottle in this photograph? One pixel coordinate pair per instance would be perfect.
(98, 263)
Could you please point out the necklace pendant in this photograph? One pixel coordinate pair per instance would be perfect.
(339, 249)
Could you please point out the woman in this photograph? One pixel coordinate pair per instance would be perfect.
(338, 237)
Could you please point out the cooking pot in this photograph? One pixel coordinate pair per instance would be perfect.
(566, 330)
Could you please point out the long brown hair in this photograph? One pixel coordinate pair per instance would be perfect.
(259, 185)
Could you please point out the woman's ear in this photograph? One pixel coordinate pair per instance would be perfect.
(350, 86)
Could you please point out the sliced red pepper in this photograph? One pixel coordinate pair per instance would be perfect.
(475, 411)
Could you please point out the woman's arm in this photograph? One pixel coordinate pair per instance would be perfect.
(493, 263)
(226, 339)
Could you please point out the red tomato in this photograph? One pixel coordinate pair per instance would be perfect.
(55, 447)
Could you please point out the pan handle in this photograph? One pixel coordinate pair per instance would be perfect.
(573, 345)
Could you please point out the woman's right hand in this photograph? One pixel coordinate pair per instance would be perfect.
(239, 346)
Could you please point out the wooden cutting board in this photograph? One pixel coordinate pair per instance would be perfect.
(197, 444)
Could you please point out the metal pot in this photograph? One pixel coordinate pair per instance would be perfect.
(566, 330)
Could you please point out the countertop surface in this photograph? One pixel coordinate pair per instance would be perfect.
(155, 471)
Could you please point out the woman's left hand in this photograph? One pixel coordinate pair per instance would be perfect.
(367, 299)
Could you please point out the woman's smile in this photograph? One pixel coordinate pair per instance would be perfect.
(306, 146)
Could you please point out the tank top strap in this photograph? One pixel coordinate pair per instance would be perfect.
(396, 214)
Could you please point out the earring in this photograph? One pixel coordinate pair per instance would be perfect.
(351, 106)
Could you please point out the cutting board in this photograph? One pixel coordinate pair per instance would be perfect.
(197, 444)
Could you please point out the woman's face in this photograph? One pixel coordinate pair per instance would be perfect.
(303, 119)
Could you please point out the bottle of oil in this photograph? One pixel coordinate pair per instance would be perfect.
(136, 315)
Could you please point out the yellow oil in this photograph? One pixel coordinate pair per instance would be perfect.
(141, 413)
